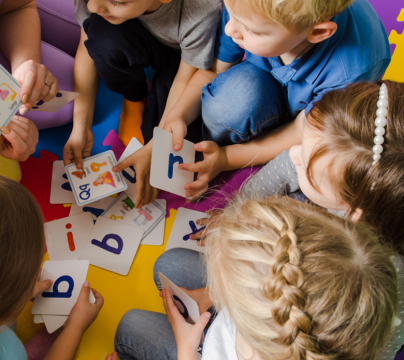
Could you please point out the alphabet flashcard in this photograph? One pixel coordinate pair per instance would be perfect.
(187, 306)
(54, 322)
(112, 245)
(9, 96)
(147, 217)
(184, 226)
(61, 191)
(165, 174)
(96, 208)
(96, 180)
(129, 173)
(66, 238)
(156, 236)
(68, 277)
(61, 99)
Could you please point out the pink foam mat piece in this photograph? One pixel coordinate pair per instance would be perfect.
(112, 139)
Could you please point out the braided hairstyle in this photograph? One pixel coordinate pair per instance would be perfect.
(300, 283)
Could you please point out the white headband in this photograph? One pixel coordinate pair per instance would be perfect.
(380, 122)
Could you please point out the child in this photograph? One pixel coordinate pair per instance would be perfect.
(294, 54)
(118, 40)
(334, 169)
(22, 243)
(291, 281)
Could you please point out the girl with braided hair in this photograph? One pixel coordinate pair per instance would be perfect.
(290, 280)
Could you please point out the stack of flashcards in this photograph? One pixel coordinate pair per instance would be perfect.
(10, 98)
(53, 306)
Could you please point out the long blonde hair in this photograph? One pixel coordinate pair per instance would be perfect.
(300, 283)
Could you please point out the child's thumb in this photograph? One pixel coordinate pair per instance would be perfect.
(85, 292)
(203, 321)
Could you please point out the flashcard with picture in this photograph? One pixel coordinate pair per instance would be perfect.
(187, 306)
(147, 217)
(156, 236)
(61, 99)
(164, 173)
(184, 226)
(68, 277)
(96, 180)
(9, 96)
(112, 245)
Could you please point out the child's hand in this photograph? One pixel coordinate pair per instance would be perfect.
(19, 139)
(141, 161)
(78, 146)
(200, 235)
(112, 356)
(201, 297)
(37, 83)
(215, 161)
(84, 313)
(178, 128)
(187, 336)
(40, 287)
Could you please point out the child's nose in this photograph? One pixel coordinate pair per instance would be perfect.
(96, 6)
(231, 30)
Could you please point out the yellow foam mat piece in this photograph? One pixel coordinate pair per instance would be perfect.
(395, 71)
(121, 294)
(10, 169)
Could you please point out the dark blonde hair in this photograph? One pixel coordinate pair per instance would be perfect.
(21, 247)
(300, 283)
(346, 119)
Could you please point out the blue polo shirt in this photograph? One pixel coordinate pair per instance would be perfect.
(358, 51)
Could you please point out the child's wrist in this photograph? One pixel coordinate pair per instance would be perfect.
(186, 353)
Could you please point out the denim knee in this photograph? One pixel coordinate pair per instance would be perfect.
(241, 102)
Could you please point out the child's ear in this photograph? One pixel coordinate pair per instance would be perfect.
(357, 215)
(322, 31)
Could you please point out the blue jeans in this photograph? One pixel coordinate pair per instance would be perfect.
(146, 335)
(240, 103)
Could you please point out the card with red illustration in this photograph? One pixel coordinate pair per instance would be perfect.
(96, 180)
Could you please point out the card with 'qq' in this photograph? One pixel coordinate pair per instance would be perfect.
(61, 99)
(165, 174)
(184, 303)
(145, 218)
(184, 226)
(68, 277)
(66, 237)
(96, 180)
(112, 245)
(9, 96)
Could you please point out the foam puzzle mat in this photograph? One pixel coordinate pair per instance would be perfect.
(137, 289)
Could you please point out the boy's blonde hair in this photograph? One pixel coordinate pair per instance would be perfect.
(296, 15)
(300, 283)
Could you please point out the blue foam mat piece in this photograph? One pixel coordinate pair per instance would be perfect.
(108, 107)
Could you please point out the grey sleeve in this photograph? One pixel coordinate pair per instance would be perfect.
(81, 13)
(278, 177)
(198, 41)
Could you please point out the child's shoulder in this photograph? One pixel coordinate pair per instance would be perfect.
(201, 8)
(363, 42)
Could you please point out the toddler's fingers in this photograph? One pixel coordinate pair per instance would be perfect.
(197, 185)
(124, 164)
(112, 356)
(178, 135)
(197, 236)
(202, 321)
(203, 221)
(99, 300)
(207, 147)
(201, 242)
(197, 167)
(139, 191)
(84, 293)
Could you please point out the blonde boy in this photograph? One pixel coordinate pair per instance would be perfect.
(295, 52)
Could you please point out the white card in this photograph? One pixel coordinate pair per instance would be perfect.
(146, 218)
(66, 238)
(97, 180)
(133, 146)
(156, 236)
(112, 245)
(96, 208)
(38, 319)
(61, 190)
(184, 226)
(54, 322)
(61, 99)
(165, 174)
(9, 96)
(185, 304)
(68, 277)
